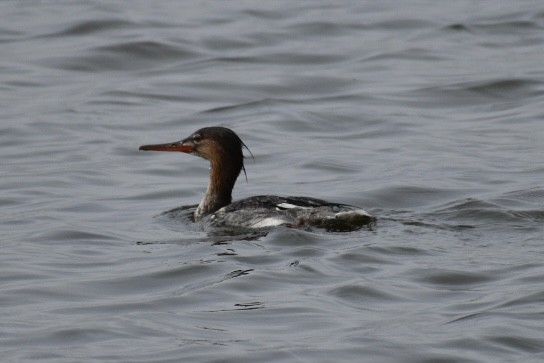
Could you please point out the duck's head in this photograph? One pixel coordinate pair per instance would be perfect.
(220, 145)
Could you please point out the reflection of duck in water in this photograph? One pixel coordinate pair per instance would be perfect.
(223, 148)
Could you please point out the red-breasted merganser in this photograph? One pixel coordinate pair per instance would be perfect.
(223, 148)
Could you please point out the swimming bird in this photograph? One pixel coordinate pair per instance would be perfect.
(224, 150)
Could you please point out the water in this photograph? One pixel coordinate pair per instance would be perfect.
(427, 115)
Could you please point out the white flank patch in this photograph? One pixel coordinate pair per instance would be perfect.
(353, 213)
(289, 206)
(268, 222)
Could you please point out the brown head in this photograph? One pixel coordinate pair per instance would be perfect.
(211, 143)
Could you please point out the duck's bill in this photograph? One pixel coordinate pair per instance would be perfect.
(171, 146)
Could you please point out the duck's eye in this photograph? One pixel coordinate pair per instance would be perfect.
(197, 138)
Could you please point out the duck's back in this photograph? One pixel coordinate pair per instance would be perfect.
(270, 210)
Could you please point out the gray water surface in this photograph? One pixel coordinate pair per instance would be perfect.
(427, 114)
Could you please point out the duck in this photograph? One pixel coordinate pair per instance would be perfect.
(223, 148)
